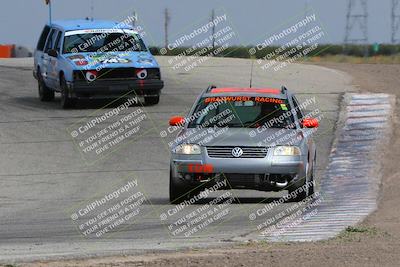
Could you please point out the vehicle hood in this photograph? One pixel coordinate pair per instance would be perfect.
(92, 61)
(239, 136)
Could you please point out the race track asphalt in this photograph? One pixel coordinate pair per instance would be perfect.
(44, 178)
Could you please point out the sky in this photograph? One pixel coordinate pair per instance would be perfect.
(21, 21)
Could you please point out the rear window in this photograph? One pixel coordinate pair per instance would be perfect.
(242, 112)
(43, 38)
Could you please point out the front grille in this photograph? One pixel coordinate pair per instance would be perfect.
(226, 152)
(118, 73)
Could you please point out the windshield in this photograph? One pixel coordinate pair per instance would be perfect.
(242, 112)
(103, 42)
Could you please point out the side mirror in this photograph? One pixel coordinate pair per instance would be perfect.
(310, 123)
(52, 53)
(176, 121)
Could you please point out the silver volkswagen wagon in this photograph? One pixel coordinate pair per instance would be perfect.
(243, 138)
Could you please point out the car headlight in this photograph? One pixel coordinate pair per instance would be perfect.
(188, 149)
(287, 151)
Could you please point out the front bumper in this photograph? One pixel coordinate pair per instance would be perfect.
(267, 174)
(115, 87)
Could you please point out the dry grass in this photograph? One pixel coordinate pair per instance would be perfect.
(395, 59)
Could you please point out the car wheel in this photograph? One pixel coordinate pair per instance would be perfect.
(178, 192)
(66, 101)
(151, 100)
(299, 196)
(311, 189)
(45, 93)
(307, 191)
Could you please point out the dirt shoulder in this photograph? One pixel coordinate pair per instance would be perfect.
(375, 242)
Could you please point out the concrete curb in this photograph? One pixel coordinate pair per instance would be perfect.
(350, 185)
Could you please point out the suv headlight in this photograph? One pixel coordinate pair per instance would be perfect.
(188, 149)
(287, 151)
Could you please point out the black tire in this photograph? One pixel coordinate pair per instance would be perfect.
(45, 93)
(178, 192)
(299, 196)
(304, 194)
(311, 189)
(66, 100)
(152, 100)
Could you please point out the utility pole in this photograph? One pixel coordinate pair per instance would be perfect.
(395, 21)
(167, 19)
(357, 20)
(48, 2)
(306, 11)
(134, 21)
(213, 29)
(91, 10)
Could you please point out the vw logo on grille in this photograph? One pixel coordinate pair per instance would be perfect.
(237, 152)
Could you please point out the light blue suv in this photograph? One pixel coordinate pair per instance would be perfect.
(85, 59)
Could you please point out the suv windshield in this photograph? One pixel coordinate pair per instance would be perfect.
(103, 42)
(242, 112)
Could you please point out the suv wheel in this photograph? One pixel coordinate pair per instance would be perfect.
(45, 93)
(66, 101)
(152, 100)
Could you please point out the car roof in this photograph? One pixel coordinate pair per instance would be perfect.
(246, 91)
(83, 24)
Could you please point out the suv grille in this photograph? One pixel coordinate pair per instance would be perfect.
(226, 152)
(118, 73)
